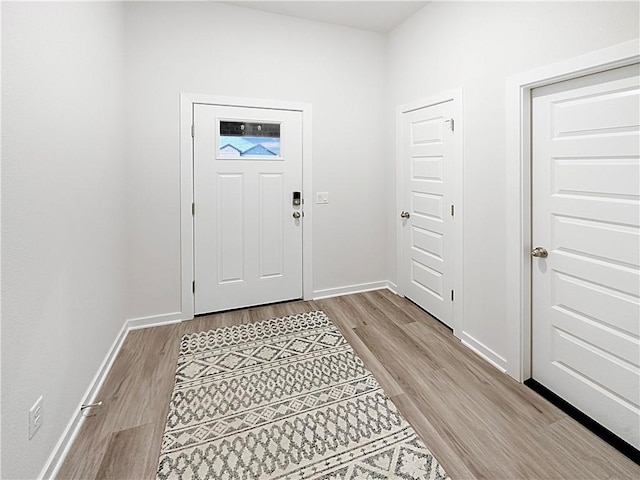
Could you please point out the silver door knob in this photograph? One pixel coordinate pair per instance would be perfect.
(405, 215)
(296, 215)
(539, 252)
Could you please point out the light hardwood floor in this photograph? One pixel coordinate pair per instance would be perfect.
(478, 422)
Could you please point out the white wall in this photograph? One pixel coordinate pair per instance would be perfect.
(62, 214)
(205, 47)
(477, 46)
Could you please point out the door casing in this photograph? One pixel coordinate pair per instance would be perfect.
(454, 95)
(518, 187)
(187, 101)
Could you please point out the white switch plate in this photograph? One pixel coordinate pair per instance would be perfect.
(322, 197)
(35, 417)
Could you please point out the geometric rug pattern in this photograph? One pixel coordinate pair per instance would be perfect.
(286, 398)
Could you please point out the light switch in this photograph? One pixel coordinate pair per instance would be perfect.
(322, 197)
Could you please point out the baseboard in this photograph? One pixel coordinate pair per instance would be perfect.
(485, 352)
(393, 288)
(154, 320)
(349, 289)
(61, 449)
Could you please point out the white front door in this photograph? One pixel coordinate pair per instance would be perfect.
(586, 216)
(427, 222)
(247, 206)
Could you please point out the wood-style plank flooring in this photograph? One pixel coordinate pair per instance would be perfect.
(478, 422)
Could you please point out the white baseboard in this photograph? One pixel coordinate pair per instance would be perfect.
(154, 320)
(485, 352)
(61, 449)
(349, 289)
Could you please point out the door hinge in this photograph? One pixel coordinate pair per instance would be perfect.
(193, 209)
(193, 286)
(192, 132)
(451, 123)
(452, 295)
(453, 210)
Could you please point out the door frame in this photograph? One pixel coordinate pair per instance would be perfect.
(187, 248)
(518, 187)
(456, 96)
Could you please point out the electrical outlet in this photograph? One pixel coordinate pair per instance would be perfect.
(35, 417)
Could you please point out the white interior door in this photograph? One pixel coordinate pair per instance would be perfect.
(586, 215)
(427, 222)
(248, 227)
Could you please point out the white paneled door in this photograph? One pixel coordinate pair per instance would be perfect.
(248, 207)
(585, 234)
(427, 199)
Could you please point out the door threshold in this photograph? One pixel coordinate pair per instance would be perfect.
(248, 307)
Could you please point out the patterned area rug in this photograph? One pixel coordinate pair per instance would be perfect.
(285, 398)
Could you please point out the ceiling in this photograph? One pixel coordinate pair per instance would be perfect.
(377, 16)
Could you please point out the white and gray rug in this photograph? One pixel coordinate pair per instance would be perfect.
(285, 398)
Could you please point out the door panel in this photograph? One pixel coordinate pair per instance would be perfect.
(427, 168)
(614, 177)
(248, 245)
(586, 213)
(427, 243)
(230, 227)
(428, 205)
(271, 235)
(613, 242)
(429, 280)
(568, 296)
